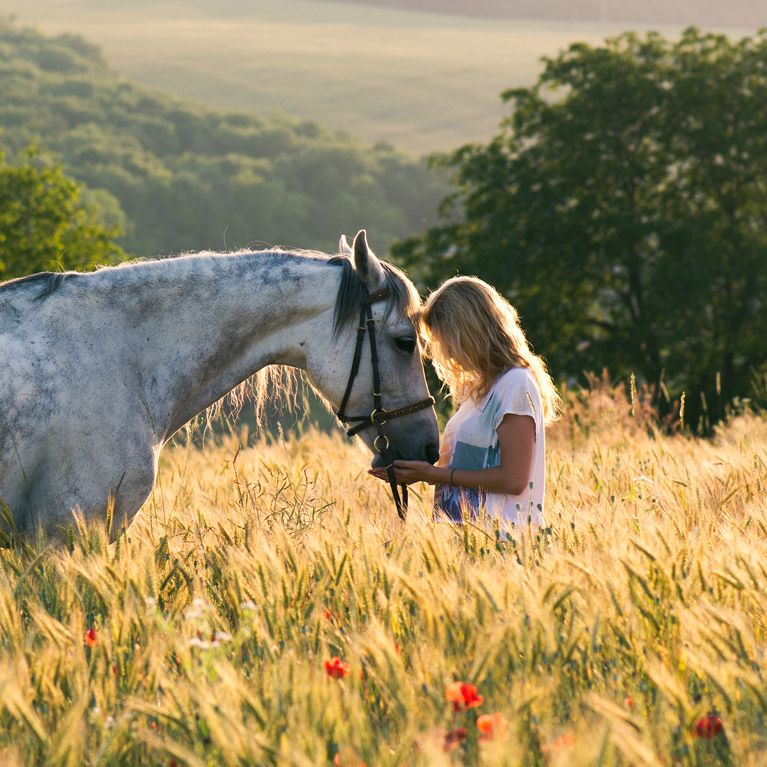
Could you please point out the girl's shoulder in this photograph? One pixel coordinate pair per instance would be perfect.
(519, 376)
(518, 384)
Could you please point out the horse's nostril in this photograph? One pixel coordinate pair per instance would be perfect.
(432, 453)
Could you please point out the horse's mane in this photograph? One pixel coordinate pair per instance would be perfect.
(352, 292)
(281, 384)
(51, 281)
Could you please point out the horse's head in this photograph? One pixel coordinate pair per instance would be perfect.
(413, 435)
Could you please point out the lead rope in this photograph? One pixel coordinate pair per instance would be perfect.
(379, 416)
(400, 501)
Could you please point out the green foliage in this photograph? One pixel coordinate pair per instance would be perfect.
(189, 178)
(45, 224)
(622, 207)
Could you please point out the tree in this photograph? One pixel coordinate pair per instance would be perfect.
(623, 209)
(44, 223)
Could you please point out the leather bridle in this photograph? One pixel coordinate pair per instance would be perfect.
(379, 416)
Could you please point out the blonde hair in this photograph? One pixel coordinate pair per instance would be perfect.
(473, 336)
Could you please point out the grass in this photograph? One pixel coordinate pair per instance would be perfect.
(602, 640)
(420, 81)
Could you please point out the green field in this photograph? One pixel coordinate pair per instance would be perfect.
(423, 82)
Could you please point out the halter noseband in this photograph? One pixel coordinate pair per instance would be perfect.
(379, 416)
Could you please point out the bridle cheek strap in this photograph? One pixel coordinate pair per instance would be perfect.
(379, 416)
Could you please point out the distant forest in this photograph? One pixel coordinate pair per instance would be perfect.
(176, 176)
(742, 13)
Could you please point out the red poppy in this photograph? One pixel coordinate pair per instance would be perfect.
(708, 727)
(336, 668)
(347, 757)
(328, 614)
(462, 696)
(565, 740)
(91, 637)
(629, 702)
(454, 738)
(491, 726)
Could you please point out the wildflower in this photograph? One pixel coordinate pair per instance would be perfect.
(629, 702)
(708, 727)
(109, 722)
(347, 757)
(150, 601)
(328, 615)
(199, 642)
(565, 740)
(248, 604)
(91, 637)
(462, 695)
(454, 738)
(336, 668)
(491, 726)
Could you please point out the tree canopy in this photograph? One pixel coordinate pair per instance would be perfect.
(623, 208)
(45, 222)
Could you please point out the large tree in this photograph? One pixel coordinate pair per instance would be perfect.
(45, 224)
(623, 209)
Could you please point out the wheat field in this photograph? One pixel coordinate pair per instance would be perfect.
(267, 608)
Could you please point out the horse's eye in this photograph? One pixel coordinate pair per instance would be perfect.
(406, 344)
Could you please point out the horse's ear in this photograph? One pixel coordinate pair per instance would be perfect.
(343, 247)
(367, 265)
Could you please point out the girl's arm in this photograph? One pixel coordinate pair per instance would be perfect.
(516, 440)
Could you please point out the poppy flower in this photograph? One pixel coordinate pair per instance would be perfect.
(347, 757)
(565, 740)
(336, 668)
(91, 637)
(454, 738)
(628, 702)
(708, 727)
(491, 726)
(462, 696)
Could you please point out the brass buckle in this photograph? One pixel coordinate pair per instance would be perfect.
(374, 416)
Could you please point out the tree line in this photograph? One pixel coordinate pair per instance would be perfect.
(623, 208)
(174, 176)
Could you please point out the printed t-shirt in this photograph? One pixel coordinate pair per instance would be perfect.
(470, 442)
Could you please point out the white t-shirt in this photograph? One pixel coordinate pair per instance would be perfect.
(470, 442)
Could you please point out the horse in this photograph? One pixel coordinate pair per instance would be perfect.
(98, 370)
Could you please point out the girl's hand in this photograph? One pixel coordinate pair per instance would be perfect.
(411, 471)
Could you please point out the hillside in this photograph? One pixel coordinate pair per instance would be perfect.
(744, 13)
(420, 81)
(188, 177)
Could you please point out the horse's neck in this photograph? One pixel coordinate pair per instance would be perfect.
(209, 322)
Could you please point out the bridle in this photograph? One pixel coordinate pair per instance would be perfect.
(379, 416)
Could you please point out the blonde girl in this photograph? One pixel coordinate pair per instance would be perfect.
(493, 449)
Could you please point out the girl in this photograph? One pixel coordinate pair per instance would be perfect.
(493, 448)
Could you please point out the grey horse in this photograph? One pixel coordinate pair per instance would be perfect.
(98, 370)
